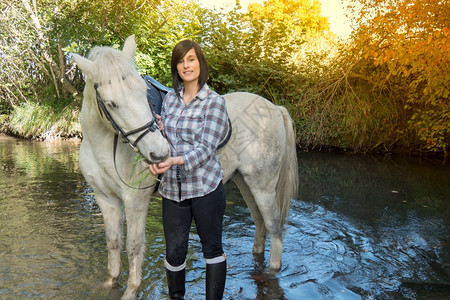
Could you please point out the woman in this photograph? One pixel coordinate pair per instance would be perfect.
(194, 121)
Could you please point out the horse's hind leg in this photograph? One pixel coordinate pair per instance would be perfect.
(268, 207)
(136, 215)
(260, 230)
(113, 218)
(266, 214)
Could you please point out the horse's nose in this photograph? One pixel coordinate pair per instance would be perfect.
(157, 158)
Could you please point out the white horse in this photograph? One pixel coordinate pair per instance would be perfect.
(260, 157)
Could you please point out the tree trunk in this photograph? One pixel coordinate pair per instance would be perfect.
(57, 73)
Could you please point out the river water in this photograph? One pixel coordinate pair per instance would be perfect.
(362, 227)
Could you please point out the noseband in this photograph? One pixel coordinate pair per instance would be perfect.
(151, 126)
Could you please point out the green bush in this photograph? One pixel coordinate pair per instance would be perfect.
(43, 121)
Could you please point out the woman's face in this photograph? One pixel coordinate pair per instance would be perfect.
(188, 67)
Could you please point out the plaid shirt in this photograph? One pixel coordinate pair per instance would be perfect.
(194, 131)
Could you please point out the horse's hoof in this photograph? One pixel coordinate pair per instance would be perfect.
(115, 292)
(129, 295)
(275, 268)
(112, 283)
(258, 249)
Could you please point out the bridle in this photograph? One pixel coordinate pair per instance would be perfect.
(151, 126)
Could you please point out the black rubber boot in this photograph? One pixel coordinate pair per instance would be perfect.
(215, 280)
(176, 282)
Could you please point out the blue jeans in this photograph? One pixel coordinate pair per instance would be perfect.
(207, 212)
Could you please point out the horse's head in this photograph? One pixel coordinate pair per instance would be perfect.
(120, 92)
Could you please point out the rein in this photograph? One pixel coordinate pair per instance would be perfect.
(116, 138)
(149, 127)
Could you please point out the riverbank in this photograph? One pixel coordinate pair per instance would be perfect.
(41, 122)
(429, 156)
(11, 138)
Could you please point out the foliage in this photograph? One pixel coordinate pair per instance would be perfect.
(253, 51)
(341, 111)
(176, 20)
(243, 54)
(39, 121)
(407, 42)
(16, 54)
(385, 88)
(280, 26)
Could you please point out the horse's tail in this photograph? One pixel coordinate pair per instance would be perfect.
(287, 186)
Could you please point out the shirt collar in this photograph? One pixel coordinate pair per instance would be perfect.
(202, 94)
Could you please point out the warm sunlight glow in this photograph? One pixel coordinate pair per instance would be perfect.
(333, 9)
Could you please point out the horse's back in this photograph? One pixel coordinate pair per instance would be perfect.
(255, 116)
(258, 136)
(243, 102)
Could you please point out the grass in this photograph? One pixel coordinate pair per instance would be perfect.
(43, 121)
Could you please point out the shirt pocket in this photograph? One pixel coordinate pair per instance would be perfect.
(190, 127)
(170, 124)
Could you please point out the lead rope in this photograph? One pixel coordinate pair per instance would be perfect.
(116, 138)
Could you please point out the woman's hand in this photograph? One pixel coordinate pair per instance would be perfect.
(160, 125)
(161, 167)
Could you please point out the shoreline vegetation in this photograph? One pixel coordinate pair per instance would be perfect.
(384, 89)
(37, 124)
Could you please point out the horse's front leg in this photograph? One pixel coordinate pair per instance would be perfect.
(136, 214)
(113, 220)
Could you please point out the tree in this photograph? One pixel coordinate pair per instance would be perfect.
(408, 43)
(254, 51)
(279, 27)
(30, 61)
(38, 35)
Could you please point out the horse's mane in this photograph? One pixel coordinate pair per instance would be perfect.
(113, 67)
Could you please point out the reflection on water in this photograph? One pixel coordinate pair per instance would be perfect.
(361, 228)
(47, 230)
(383, 223)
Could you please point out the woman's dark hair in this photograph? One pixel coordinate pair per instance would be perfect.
(179, 51)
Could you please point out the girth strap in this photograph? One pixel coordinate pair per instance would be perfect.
(227, 136)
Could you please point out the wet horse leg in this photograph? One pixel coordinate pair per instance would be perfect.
(113, 220)
(260, 230)
(266, 205)
(136, 215)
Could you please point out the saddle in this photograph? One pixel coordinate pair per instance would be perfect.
(156, 92)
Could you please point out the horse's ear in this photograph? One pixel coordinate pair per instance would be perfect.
(86, 66)
(129, 47)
